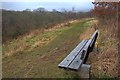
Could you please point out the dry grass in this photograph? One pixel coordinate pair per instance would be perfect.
(22, 44)
(26, 43)
(105, 62)
(89, 31)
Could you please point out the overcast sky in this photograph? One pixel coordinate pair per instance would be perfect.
(20, 5)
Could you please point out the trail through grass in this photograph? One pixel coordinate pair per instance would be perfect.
(41, 61)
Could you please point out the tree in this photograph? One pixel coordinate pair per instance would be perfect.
(27, 10)
(54, 10)
(39, 10)
(73, 9)
(105, 10)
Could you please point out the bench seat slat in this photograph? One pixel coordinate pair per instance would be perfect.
(93, 37)
(77, 61)
(94, 34)
(72, 55)
(75, 64)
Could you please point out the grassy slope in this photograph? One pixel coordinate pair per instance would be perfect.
(42, 61)
(104, 64)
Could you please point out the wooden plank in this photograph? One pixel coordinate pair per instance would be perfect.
(72, 55)
(93, 37)
(86, 48)
(96, 32)
(75, 65)
(87, 45)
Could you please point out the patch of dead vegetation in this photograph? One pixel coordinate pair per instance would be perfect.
(106, 62)
(62, 25)
(21, 44)
(93, 22)
(67, 24)
(26, 43)
(86, 35)
(89, 31)
(26, 46)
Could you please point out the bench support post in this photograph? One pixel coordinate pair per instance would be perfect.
(84, 71)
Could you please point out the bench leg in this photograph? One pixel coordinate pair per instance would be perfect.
(84, 71)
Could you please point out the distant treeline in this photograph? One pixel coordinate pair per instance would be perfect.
(15, 23)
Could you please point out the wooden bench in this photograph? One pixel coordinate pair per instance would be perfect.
(78, 56)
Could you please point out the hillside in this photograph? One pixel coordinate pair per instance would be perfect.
(38, 53)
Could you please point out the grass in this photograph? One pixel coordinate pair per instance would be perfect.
(103, 76)
(104, 64)
(42, 60)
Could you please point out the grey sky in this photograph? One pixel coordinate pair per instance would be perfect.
(79, 6)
